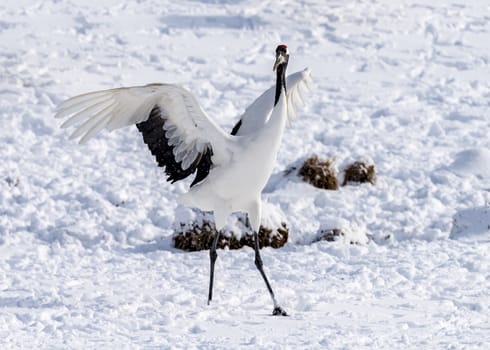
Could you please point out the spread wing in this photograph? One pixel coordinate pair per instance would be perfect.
(258, 113)
(175, 128)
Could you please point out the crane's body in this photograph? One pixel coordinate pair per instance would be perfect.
(231, 170)
(237, 184)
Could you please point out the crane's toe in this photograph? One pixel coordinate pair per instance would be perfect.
(279, 311)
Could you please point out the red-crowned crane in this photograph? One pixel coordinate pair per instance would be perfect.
(231, 169)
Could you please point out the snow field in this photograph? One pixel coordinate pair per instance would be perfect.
(85, 231)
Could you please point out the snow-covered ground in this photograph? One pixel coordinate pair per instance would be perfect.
(86, 259)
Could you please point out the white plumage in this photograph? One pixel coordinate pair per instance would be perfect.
(241, 164)
(232, 170)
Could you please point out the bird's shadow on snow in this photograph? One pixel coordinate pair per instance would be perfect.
(162, 244)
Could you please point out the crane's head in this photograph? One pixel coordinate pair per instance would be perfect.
(282, 56)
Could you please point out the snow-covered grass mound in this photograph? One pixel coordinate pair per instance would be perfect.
(195, 230)
(339, 230)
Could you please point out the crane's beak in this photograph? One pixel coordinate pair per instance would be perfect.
(280, 59)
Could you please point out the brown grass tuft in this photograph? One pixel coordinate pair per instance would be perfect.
(199, 237)
(335, 234)
(330, 235)
(359, 172)
(319, 173)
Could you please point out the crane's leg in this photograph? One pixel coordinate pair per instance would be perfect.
(220, 216)
(254, 216)
(213, 255)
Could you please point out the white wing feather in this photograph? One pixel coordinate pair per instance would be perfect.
(188, 128)
(258, 113)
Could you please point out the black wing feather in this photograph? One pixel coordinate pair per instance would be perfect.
(205, 164)
(203, 167)
(236, 127)
(154, 136)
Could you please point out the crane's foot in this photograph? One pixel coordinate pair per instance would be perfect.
(279, 311)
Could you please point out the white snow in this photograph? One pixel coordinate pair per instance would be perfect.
(86, 260)
(472, 162)
(472, 224)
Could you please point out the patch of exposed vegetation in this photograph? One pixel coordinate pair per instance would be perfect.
(319, 173)
(346, 235)
(330, 235)
(199, 236)
(359, 172)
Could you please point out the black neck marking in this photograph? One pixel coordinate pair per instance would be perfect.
(280, 80)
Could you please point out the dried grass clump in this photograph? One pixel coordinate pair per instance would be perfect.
(199, 236)
(319, 173)
(330, 235)
(343, 231)
(335, 234)
(359, 172)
